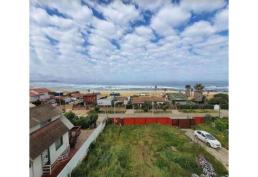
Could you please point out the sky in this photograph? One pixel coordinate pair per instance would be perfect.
(94, 41)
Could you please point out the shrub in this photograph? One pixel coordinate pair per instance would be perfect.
(96, 109)
(84, 122)
(165, 106)
(146, 106)
(221, 125)
(221, 99)
(195, 106)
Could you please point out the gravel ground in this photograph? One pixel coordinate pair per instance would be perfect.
(220, 154)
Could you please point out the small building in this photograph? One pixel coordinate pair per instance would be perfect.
(149, 99)
(120, 100)
(39, 94)
(106, 101)
(49, 139)
(177, 98)
(114, 94)
(90, 98)
(76, 95)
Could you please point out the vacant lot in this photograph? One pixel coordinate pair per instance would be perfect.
(218, 128)
(144, 151)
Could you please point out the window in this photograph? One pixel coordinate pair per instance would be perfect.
(59, 143)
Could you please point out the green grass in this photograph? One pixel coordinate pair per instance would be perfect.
(143, 151)
(218, 128)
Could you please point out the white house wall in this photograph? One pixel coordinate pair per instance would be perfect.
(34, 98)
(36, 167)
(54, 154)
(44, 97)
(104, 102)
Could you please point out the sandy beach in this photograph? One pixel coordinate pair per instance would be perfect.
(131, 92)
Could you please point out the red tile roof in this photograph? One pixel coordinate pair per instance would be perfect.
(40, 90)
(33, 93)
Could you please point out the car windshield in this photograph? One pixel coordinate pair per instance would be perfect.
(210, 137)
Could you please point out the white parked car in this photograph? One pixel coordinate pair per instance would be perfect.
(207, 138)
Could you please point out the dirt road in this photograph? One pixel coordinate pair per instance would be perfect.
(221, 154)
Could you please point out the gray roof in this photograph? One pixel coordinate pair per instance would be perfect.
(177, 97)
(43, 113)
(41, 139)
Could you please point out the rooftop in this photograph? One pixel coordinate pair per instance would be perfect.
(40, 90)
(44, 137)
(43, 113)
(142, 99)
(177, 97)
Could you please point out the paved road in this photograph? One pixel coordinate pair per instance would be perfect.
(221, 154)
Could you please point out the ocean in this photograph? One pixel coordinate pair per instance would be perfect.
(220, 86)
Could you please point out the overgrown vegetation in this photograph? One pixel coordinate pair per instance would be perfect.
(136, 151)
(220, 99)
(218, 127)
(85, 122)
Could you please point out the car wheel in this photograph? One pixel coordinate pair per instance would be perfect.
(208, 144)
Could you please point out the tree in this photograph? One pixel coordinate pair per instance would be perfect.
(198, 96)
(71, 116)
(220, 99)
(165, 106)
(146, 106)
(199, 87)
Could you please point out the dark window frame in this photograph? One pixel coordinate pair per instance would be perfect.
(59, 143)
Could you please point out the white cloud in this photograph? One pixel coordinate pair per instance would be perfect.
(221, 20)
(85, 48)
(152, 6)
(168, 17)
(119, 13)
(144, 31)
(200, 28)
(199, 6)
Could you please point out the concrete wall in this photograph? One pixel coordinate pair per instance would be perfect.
(36, 168)
(54, 154)
(82, 152)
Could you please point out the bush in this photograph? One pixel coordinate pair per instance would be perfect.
(84, 122)
(164, 106)
(96, 109)
(221, 99)
(146, 106)
(195, 106)
(221, 124)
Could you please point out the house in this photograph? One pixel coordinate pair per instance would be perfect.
(149, 99)
(105, 101)
(76, 95)
(90, 98)
(39, 94)
(34, 96)
(120, 100)
(177, 98)
(49, 139)
(114, 94)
